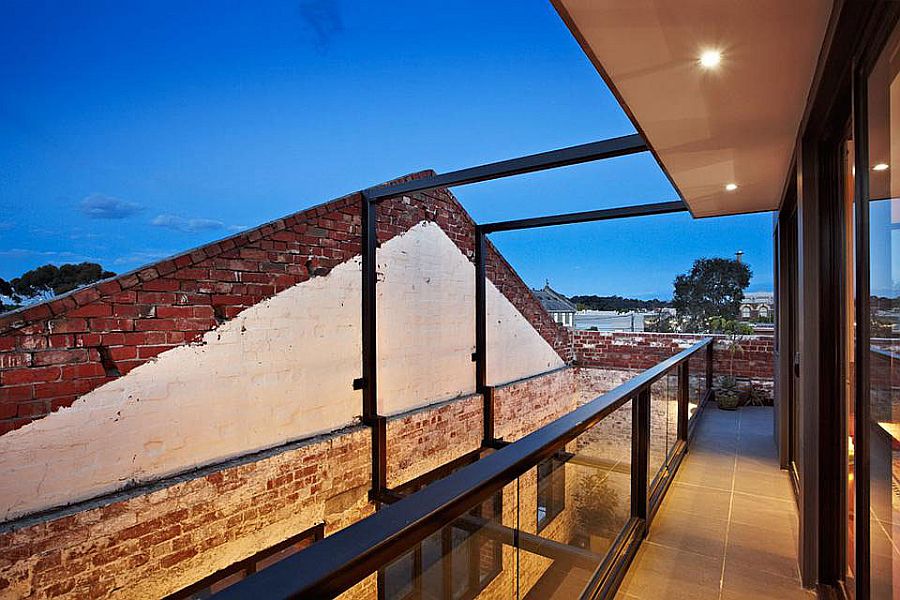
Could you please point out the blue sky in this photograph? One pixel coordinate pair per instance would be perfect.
(134, 130)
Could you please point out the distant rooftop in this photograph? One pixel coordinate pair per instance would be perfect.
(552, 300)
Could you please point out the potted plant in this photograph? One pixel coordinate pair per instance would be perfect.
(728, 396)
(730, 393)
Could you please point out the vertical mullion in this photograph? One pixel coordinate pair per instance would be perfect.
(640, 454)
(861, 460)
(481, 386)
(368, 250)
(683, 397)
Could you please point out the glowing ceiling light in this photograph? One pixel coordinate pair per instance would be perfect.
(710, 59)
(730, 187)
(880, 167)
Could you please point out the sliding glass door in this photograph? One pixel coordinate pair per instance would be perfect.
(882, 348)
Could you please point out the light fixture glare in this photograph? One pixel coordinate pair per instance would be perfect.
(730, 187)
(880, 167)
(710, 59)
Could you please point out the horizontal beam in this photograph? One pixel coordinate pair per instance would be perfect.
(573, 155)
(638, 210)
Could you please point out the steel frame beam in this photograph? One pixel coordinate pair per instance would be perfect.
(369, 380)
(573, 155)
(639, 210)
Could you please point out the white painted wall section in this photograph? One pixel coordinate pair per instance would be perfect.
(281, 371)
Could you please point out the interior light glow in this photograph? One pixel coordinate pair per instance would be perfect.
(710, 59)
(730, 187)
(880, 167)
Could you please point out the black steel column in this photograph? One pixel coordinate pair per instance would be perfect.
(369, 341)
(709, 366)
(640, 455)
(862, 388)
(684, 381)
(480, 356)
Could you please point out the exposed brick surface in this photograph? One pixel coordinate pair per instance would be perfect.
(112, 327)
(754, 357)
(150, 545)
(523, 406)
(424, 439)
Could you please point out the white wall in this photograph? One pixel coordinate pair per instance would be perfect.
(282, 370)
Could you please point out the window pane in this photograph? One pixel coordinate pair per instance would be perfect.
(399, 577)
(884, 320)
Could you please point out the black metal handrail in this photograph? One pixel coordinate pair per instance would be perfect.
(341, 560)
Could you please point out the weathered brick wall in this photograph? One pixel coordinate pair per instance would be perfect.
(521, 407)
(425, 439)
(154, 541)
(153, 544)
(639, 351)
(52, 353)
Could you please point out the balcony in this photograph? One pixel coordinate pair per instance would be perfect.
(647, 491)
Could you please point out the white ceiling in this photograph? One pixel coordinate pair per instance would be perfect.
(733, 124)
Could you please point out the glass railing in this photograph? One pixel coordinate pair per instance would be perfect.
(557, 514)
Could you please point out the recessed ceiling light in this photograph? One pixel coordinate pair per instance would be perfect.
(730, 187)
(880, 167)
(710, 59)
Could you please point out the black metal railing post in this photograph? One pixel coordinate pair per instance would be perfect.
(369, 381)
(684, 382)
(640, 454)
(480, 355)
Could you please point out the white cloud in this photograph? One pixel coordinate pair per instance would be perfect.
(98, 206)
(177, 223)
(24, 253)
(141, 257)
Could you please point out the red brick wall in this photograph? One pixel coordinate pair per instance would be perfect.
(627, 350)
(543, 399)
(157, 543)
(152, 544)
(52, 353)
(425, 439)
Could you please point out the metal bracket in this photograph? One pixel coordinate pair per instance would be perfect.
(358, 383)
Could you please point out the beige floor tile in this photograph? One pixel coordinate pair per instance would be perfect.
(772, 484)
(715, 476)
(765, 511)
(765, 549)
(663, 572)
(696, 500)
(686, 531)
(747, 583)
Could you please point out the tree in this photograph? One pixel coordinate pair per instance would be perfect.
(6, 291)
(714, 287)
(616, 303)
(659, 321)
(49, 280)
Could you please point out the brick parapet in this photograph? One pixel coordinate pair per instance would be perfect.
(754, 358)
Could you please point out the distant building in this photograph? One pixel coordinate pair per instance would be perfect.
(758, 306)
(559, 307)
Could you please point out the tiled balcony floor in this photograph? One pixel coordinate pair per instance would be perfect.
(727, 528)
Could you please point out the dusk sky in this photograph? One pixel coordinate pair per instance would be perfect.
(135, 130)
